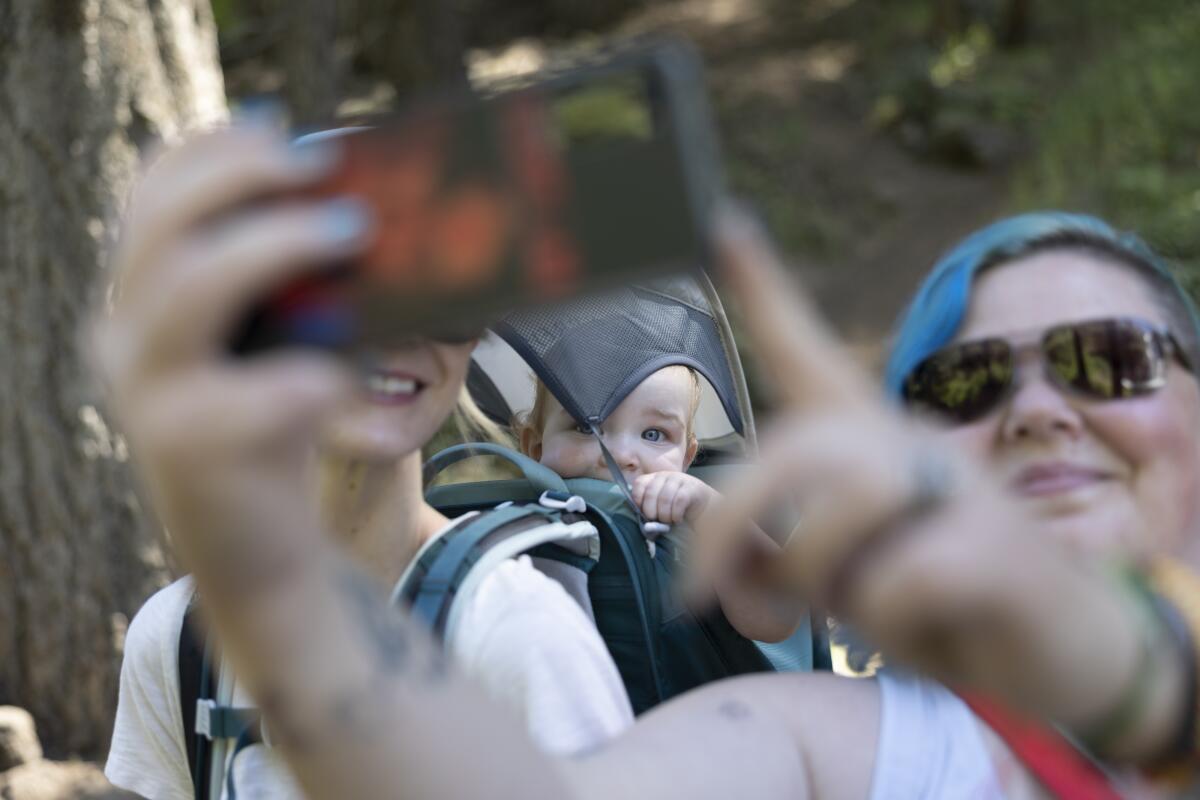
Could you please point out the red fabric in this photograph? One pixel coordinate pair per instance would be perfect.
(1062, 769)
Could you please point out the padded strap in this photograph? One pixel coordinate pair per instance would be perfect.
(440, 579)
(191, 655)
(554, 552)
(197, 683)
(541, 477)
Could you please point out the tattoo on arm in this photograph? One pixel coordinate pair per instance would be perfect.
(396, 652)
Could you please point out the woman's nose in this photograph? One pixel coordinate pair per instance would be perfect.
(1038, 410)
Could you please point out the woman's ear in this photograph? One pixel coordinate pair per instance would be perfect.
(531, 442)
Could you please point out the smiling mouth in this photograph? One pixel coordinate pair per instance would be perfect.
(1055, 479)
(392, 389)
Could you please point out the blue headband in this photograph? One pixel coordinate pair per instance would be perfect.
(938, 308)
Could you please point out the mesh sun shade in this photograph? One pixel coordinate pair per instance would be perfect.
(592, 352)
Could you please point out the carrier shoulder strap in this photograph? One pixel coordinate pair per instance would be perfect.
(457, 561)
(194, 673)
(203, 718)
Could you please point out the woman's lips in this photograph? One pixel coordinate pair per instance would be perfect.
(392, 388)
(1043, 480)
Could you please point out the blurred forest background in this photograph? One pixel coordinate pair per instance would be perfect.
(870, 134)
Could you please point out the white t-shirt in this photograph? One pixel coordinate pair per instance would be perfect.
(930, 746)
(522, 636)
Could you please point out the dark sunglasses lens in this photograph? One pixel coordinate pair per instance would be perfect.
(1105, 359)
(963, 382)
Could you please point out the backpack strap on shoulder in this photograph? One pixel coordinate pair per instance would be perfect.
(541, 477)
(205, 720)
(456, 563)
(194, 674)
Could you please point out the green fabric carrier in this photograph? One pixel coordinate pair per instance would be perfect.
(660, 647)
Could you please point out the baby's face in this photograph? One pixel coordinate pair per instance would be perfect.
(648, 432)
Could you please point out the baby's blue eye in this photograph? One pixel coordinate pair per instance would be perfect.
(653, 435)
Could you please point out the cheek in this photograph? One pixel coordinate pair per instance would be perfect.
(977, 440)
(1151, 434)
(669, 460)
(1159, 441)
(567, 458)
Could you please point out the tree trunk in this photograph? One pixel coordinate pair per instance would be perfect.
(85, 86)
(308, 58)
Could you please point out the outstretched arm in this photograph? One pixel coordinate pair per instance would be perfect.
(360, 700)
(927, 557)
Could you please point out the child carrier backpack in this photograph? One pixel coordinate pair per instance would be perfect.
(583, 532)
(661, 648)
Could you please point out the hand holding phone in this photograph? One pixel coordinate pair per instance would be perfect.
(600, 176)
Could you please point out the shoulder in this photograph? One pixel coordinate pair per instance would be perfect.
(534, 648)
(930, 743)
(152, 641)
(516, 596)
(147, 754)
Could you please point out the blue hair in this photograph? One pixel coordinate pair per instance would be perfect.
(937, 310)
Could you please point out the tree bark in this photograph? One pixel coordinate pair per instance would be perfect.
(85, 87)
(308, 58)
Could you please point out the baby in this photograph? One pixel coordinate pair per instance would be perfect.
(652, 439)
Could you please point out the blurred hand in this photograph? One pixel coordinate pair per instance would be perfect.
(198, 248)
(672, 497)
(193, 257)
(857, 471)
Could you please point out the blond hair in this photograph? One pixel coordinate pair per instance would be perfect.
(474, 426)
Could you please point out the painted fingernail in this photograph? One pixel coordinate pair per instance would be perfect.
(261, 111)
(347, 220)
(313, 156)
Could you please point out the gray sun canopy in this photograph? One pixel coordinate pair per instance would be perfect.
(592, 352)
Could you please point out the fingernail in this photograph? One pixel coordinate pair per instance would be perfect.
(347, 219)
(314, 156)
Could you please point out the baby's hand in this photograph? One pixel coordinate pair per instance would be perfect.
(671, 496)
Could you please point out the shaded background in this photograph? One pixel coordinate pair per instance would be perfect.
(870, 134)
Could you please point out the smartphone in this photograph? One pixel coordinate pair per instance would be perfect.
(602, 175)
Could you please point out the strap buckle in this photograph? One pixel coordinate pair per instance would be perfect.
(215, 721)
(560, 501)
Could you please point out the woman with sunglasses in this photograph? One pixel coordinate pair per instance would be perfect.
(190, 265)
(991, 589)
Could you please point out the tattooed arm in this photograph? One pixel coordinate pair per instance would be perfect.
(363, 707)
(361, 703)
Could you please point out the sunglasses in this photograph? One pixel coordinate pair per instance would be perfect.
(1105, 359)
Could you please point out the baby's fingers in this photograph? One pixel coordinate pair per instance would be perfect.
(651, 494)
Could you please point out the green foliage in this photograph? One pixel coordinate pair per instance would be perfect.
(226, 13)
(810, 207)
(961, 56)
(1123, 138)
(610, 110)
